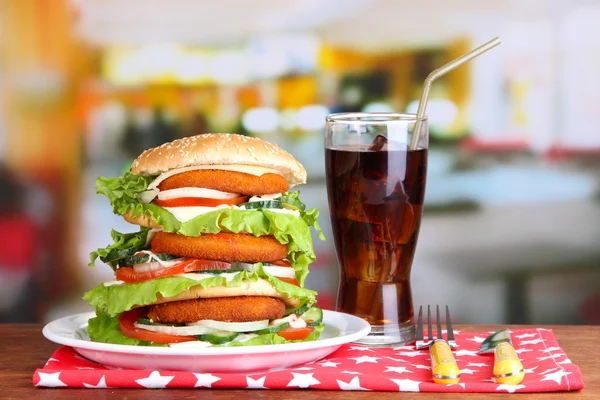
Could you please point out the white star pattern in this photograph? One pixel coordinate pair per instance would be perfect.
(50, 380)
(303, 380)
(155, 381)
(462, 385)
(530, 370)
(406, 385)
(455, 331)
(101, 384)
(550, 349)
(51, 359)
(354, 384)
(403, 348)
(410, 353)
(479, 365)
(519, 351)
(256, 384)
(526, 335)
(420, 366)
(351, 372)
(303, 369)
(489, 380)
(468, 371)
(553, 356)
(548, 371)
(330, 364)
(567, 361)
(395, 359)
(365, 359)
(556, 376)
(476, 339)
(460, 353)
(399, 370)
(205, 380)
(534, 341)
(360, 348)
(510, 388)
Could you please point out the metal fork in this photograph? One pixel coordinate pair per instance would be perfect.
(443, 365)
(421, 343)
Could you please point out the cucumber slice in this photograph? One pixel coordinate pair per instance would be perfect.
(233, 326)
(218, 337)
(313, 317)
(257, 205)
(291, 203)
(298, 311)
(176, 330)
(144, 258)
(273, 329)
(146, 321)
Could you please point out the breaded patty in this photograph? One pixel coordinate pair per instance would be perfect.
(227, 181)
(227, 309)
(221, 246)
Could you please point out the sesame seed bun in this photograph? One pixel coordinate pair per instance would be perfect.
(219, 149)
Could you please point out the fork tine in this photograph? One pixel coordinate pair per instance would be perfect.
(429, 332)
(439, 323)
(451, 339)
(419, 334)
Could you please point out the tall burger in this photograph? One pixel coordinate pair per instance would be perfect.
(222, 251)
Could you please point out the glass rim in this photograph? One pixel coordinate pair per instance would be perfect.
(372, 118)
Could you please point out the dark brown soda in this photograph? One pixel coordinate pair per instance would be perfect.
(375, 202)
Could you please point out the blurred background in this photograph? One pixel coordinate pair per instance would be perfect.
(511, 230)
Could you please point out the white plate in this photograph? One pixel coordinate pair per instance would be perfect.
(340, 329)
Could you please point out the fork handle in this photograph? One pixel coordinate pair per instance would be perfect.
(507, 366)
(443, 365)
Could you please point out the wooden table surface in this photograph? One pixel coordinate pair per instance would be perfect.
(24, 349)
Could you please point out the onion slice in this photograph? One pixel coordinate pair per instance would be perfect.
(176, 330)
(195, 192)
(282, 272)
(233, 326)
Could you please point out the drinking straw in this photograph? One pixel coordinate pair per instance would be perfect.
(443, 70)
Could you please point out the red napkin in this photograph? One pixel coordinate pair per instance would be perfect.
(352, 367)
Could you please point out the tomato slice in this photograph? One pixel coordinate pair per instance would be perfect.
(200, 202)
(129, 275)
(296, 333)
(293, 281)
(281, 263)
(126, 324)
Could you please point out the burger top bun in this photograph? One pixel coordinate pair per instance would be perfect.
(219, 149)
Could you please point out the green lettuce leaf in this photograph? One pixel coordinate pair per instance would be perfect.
(273, 338)
(104, 328)
(306, 296)
(116, 299)
(122, 192)
(122, 243)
